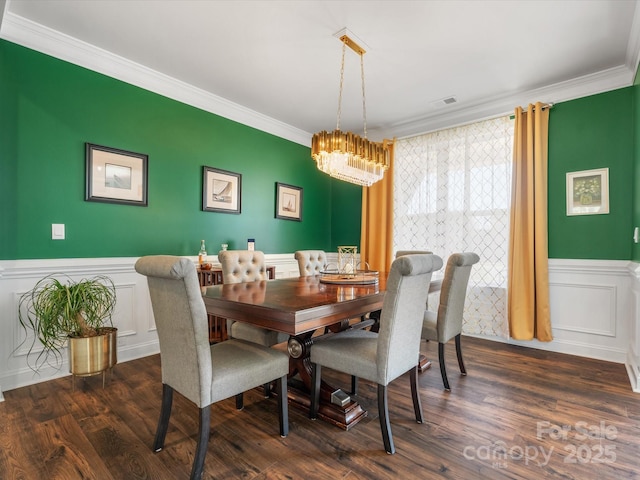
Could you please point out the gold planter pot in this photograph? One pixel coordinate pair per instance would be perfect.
(93, 355)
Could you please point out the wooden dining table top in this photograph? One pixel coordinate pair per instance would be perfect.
(293, 305)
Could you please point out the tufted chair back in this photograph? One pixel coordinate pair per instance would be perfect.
(311, 262)
(239, 266)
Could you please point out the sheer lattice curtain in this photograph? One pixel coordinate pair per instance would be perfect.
(452, 193)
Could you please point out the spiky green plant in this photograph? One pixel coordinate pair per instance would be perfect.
(55, 311)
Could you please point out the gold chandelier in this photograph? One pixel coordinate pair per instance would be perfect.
(345, 155)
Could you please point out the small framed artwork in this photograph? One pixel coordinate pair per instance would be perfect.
(115, 176)
(288, 202)
(221, 190)
(588, 192)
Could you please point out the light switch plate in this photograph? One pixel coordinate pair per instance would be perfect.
(57, 231)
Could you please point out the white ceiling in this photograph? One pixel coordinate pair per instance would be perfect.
(275, 65)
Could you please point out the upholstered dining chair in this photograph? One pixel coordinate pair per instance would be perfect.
(446, 323)
(202, 373)
(311, 262)
(384, 356)
(374, 317)
(239, 266)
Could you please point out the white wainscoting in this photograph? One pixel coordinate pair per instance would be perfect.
(133, 315)
(633, 353)
(595, 307)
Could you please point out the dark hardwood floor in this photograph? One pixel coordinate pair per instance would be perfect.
(520, 413)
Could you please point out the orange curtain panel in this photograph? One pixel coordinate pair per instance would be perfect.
(528, 284)
(376, 237)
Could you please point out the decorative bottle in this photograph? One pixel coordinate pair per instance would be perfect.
(202, 255)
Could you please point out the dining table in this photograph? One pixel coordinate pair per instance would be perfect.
(307, 309)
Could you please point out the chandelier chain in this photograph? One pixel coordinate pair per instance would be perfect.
(344, 49)
(364, 102)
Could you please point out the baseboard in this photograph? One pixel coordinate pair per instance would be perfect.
(567, 347)
(633, 370)
(25, 376)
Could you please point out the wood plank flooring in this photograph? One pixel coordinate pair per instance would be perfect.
(519, 414)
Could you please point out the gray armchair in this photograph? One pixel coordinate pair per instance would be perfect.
(446, 323)
(239, 266)
(311, 262)
(382, 357)
(202, 373)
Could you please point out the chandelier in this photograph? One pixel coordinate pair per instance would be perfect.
(345, 155)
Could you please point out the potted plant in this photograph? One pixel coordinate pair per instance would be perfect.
(74, 313)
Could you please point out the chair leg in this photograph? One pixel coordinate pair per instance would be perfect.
(415, 395)
(459, 353)
(354, 385)
(315, 390)
(443, 369)
(203, 442)
(283, 405)
(163, 421)
(376, 317)
(239, 401)
(383, 415)
(267, 390)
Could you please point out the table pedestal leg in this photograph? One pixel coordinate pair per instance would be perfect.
(424, 363)
(344, 414)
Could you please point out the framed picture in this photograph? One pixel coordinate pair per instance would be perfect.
(115, 176)
(588, 192)
(288, 202)
(221, 190)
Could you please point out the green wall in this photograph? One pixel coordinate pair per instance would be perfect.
(8, 136)
(50, 108)
(346, 214)
(636, 174)
(584, 134)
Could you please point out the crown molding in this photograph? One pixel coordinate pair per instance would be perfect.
(51, 42)
(37, 37)
(633, 46)
(604, 81)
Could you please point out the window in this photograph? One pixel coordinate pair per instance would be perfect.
(452, 193)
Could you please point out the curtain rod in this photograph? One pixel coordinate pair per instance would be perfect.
(546, 105)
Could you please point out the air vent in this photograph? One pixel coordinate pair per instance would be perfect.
(443, 102)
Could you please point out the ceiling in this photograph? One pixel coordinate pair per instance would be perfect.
(275, 65)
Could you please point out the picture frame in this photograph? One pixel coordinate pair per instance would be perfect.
(221, 191)
(588, 192)
(288, 202)
(115, 176)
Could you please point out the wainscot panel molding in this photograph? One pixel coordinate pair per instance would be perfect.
(633, 354)
(594, 310)
(594, 305)
(133, 316)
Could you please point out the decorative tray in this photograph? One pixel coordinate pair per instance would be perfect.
(359, 277)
